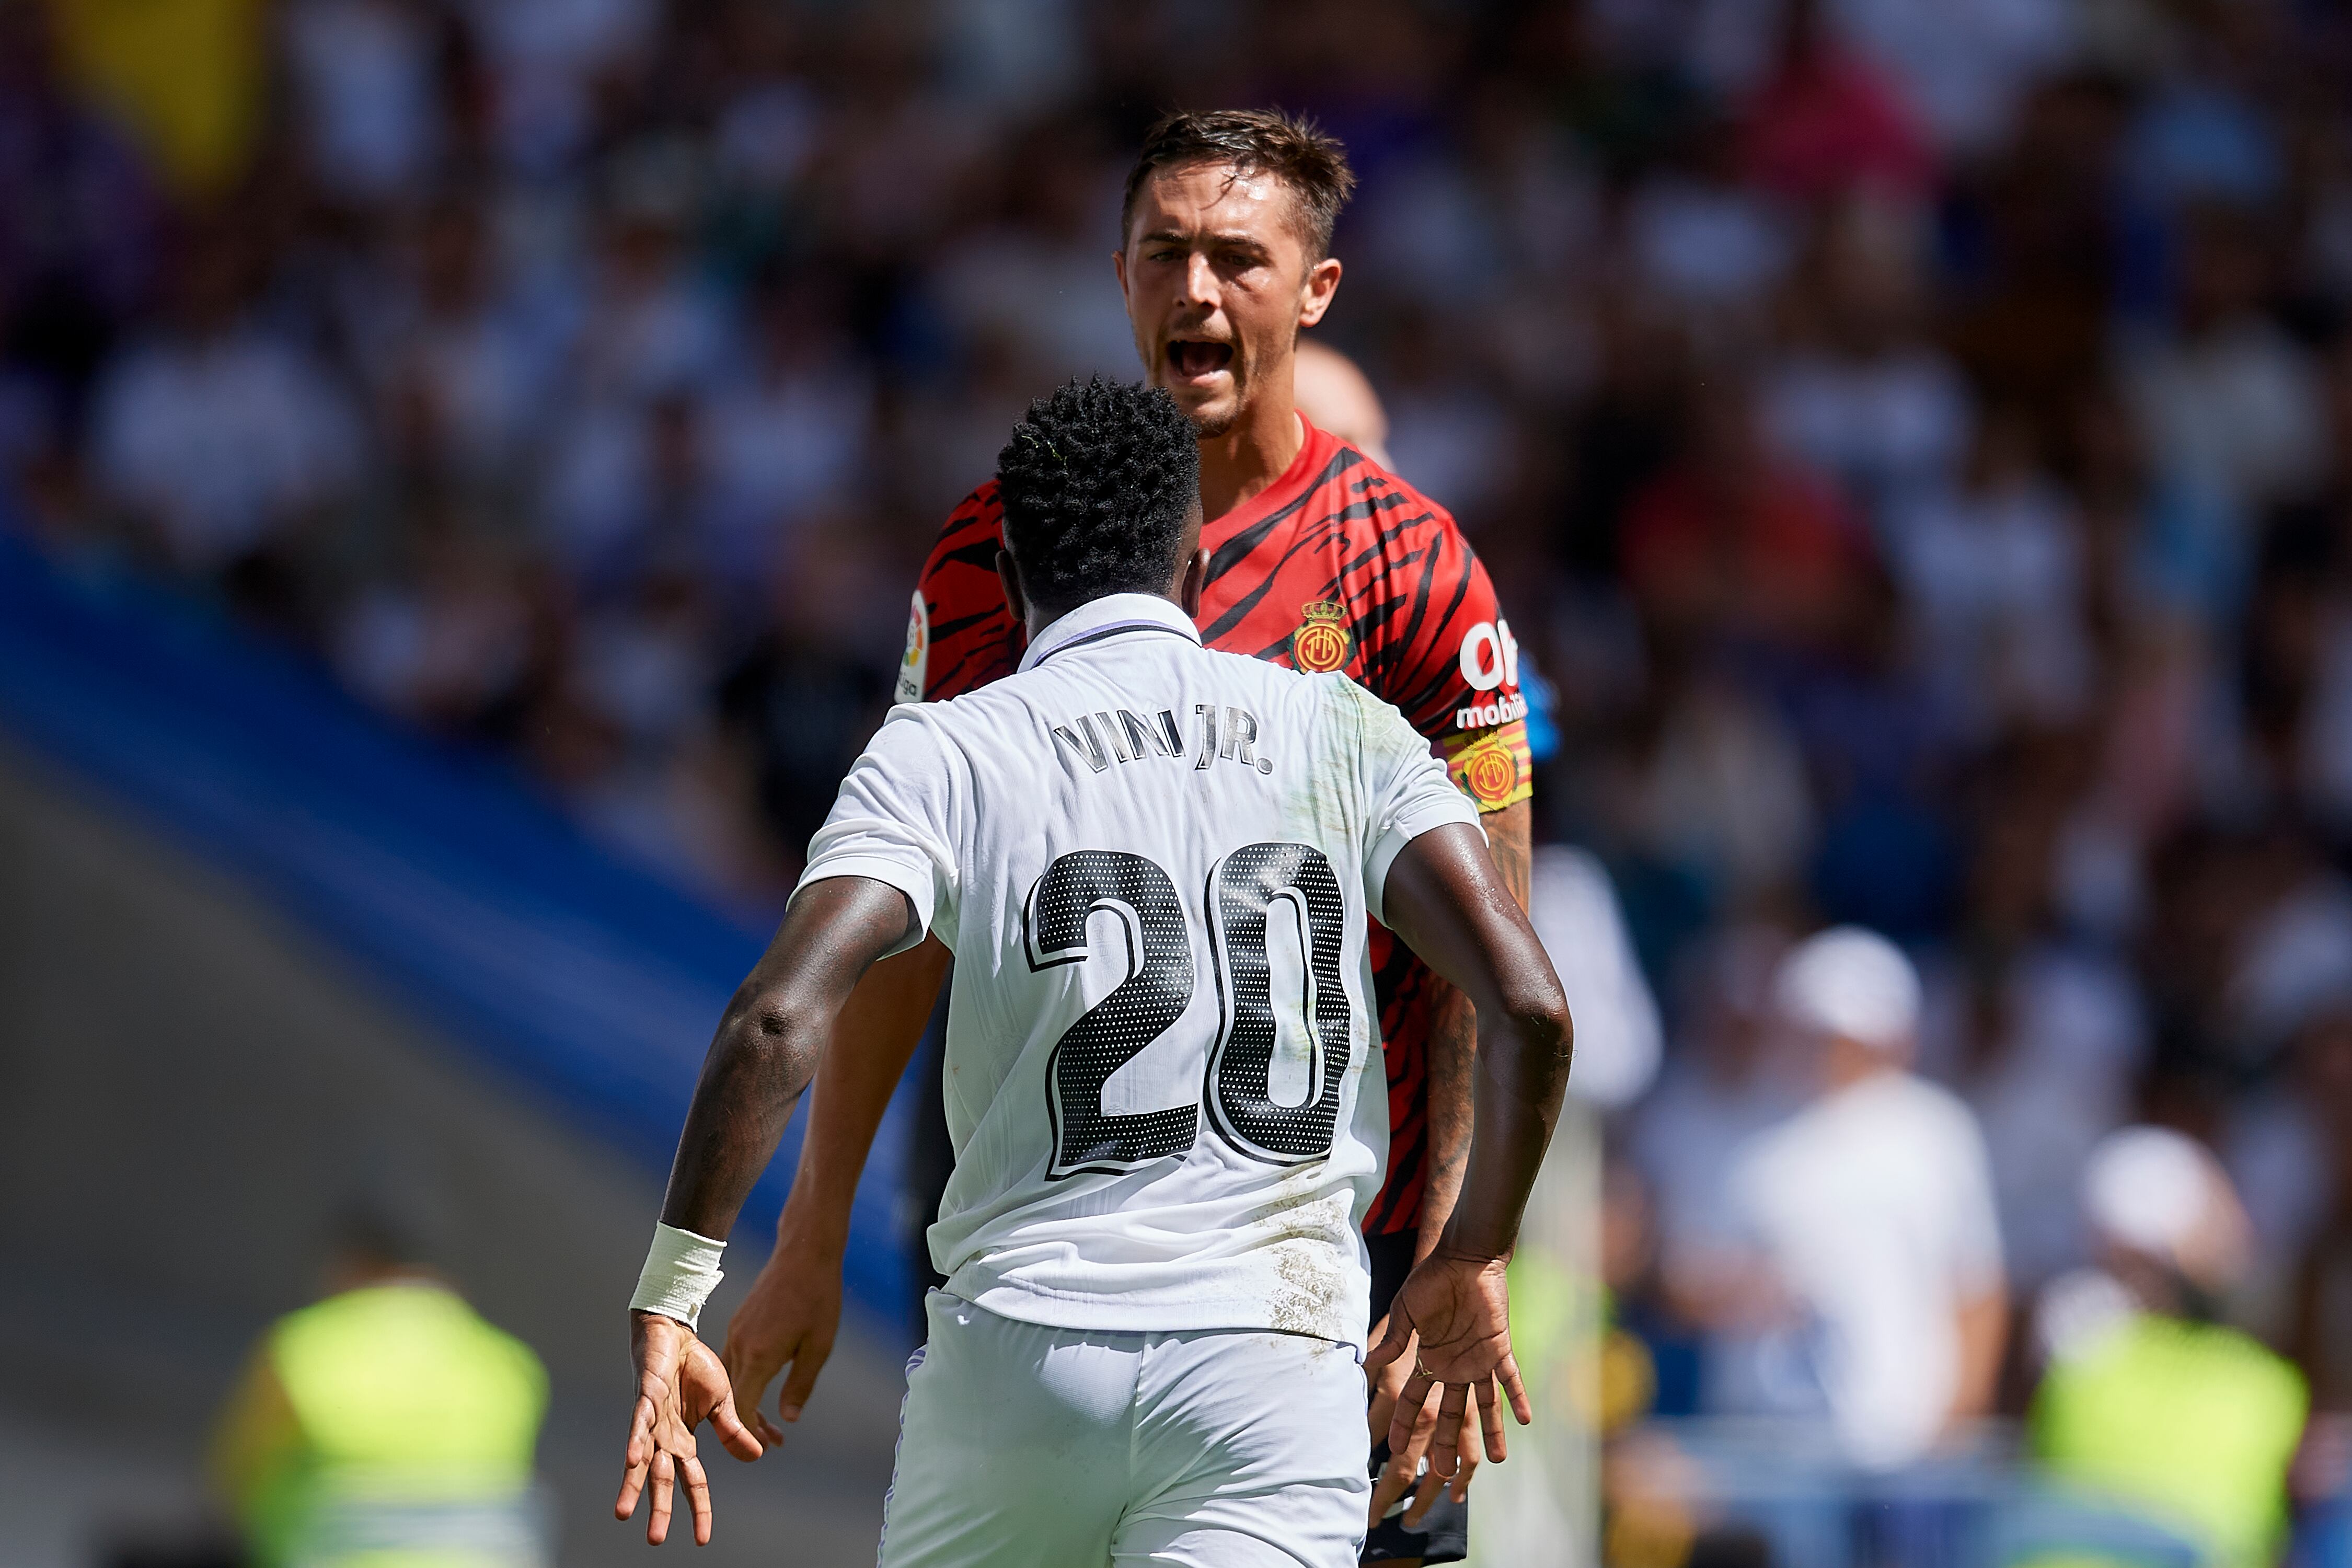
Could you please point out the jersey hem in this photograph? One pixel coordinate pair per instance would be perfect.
(1027, 1304)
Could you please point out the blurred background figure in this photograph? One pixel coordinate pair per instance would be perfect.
(387, 1424)
(2146, 1397)
(1335, 394)
(1873, 1278)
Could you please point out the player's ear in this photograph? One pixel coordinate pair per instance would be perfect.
(1316, 289)
(1010, 580)
(1193, 582)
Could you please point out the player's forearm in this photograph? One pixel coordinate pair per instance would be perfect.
(1510, 840)
(1522, 1073)
(1450, 1065)
(769, 1043)
(1447, 897)
(872, 1040)
(1452, 1053)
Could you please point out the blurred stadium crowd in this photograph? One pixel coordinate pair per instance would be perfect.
(1914, 439)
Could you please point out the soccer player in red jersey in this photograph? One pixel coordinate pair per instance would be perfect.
(1319, 559)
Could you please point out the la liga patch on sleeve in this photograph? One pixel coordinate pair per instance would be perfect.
(916, 665)
(1492, 767)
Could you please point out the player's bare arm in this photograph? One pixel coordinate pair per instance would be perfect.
(1452, 1057)
(764, 1054)
(1454, 1039)
(793, 1310)
(1450, 903)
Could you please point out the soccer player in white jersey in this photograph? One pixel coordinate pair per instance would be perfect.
(1153, 863)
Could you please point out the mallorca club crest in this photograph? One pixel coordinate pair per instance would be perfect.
(1322, 642)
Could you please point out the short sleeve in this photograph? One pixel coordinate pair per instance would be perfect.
(1455, 673)
(895, 821)
(1406, 789)
(960, 634)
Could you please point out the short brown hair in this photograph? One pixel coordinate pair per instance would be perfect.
(1291, 148)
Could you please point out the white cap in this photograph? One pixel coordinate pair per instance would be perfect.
(1851, 983)
(2148, 1188)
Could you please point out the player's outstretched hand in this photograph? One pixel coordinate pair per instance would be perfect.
(789, 1319)
(680, 1384)
(1452, 1316)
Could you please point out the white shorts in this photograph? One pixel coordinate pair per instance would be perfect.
(1027, 1446)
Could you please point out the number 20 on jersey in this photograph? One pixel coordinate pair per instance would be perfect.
(1239, 900)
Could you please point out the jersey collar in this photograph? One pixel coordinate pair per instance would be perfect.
(1113, 614)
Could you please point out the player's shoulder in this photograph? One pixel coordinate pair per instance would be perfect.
(1330, 700)
(977, 524)
(983, 504)
(1358, 490)
(1230, 669)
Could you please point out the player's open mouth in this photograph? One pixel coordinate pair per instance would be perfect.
(1195, 359)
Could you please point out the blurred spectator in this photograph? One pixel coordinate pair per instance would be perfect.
(459, 369)
(365, 72)
(1727, 1087)
(1825, 122)
(1334, 395)
(1995, 565)
(2041, 1031)
(447, 643)
(791, 431)
(1963, 66)
(1736, 539)
(219, 435)
(388, 1422)
(80, 228)
(1871, 1214)
(1700, 235)
(1573, 908)
(1862, 393)
(1040, 276)
(2146, 1397)
(2319, 1315)
(2229, 398)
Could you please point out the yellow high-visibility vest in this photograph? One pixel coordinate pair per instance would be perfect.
(2192, 1423)
(389, 1426)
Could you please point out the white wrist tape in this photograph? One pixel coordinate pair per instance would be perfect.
(681, 1271)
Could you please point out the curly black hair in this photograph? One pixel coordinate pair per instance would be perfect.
(1095, 483)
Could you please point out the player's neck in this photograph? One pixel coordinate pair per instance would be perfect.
(1256, 451)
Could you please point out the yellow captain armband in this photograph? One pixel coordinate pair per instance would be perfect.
(1493, 767)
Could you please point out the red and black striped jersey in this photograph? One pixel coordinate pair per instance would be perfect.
(1338, 565)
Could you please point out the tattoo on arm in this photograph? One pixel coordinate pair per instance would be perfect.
(768, 1044)
(1511, 840)
(1452, 1052)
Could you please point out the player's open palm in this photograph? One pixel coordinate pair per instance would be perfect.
(1460, 1310)
(680, 1384)
(789, 1319)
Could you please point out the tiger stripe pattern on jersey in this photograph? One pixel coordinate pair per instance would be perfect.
(1338, 565)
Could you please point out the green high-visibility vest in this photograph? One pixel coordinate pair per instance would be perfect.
(2192, 1423)
(415, 1423)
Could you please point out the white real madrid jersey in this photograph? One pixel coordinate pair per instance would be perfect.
(1153, 864)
